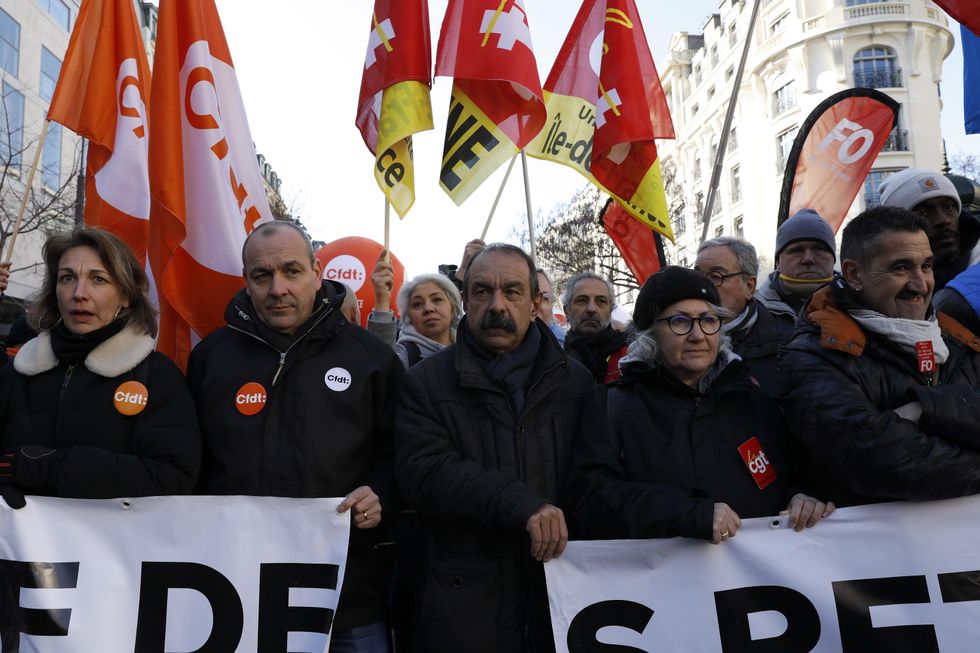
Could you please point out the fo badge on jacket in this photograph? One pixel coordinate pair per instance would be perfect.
(763, 473)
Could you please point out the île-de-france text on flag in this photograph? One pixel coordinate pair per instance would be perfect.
(497, 105)
(207, 191)
(606, 107)
(394, 100)
(102, 94)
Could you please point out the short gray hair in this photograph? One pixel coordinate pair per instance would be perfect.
(644, 348)
(441, 280)
(566, 297)
(743, 250)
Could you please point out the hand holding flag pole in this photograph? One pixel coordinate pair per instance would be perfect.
(27, 193)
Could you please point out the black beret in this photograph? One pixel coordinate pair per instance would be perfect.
(671, 285)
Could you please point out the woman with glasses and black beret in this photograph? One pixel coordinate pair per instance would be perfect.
(692, 445)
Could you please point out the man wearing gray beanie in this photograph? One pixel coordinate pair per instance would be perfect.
(953, 234)
(806, 251)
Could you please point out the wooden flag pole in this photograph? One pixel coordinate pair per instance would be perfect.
(530, 213)
(387, 230)
(500, 192)
(27, 193)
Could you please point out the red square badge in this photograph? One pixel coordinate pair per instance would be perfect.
(926, 357)
(763, 473)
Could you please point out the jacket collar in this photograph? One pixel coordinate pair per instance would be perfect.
(838, 330)
(241, 316)
(117, 355)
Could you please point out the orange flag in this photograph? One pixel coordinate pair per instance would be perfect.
(204, 178)
(101, 95)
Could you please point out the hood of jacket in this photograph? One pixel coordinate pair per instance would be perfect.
(117, 355)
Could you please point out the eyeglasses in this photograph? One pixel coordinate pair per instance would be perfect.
(718, 279)
(681, 325)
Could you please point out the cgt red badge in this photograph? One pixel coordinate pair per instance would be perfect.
(927, 359)
(763, 473)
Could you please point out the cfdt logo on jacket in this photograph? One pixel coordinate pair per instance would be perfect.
(130, 398)
(250, 398)
(337, 379)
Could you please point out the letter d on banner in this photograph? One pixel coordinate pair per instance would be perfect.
(158, 578)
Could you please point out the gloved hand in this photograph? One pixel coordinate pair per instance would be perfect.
(13, 496)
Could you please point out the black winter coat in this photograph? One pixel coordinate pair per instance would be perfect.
(669, 453)
(98, 453)
(476, 472)
(842, 388)
(759, 347)
(325, 429)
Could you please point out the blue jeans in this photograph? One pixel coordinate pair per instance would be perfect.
(372, 638)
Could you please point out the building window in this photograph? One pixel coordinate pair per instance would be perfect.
(851, 3)
(729, 73)
(680, 224)
(697, 167)
(711, 92)
(51, 158)
(699, 208)
(714, 55)
(738, 228)
(714, 152)
(732, 36)
(697, 74)
(784, 144)
(877, 67)
(871, 184)
(50, 69)
(732, 140)
(12, 129)
(784, 98)
(9, 43)
(58, 11)
(736, 184)
(719, 232)
(694, 110)
(779, 25)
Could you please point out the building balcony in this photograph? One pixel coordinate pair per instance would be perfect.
(898, 141)
(878, 78)
(877, 10)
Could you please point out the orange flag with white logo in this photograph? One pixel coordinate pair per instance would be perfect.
(102, 95)
(205, 183)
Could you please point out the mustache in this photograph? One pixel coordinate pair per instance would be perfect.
(946, 233)
(910, 294)
(498, 321)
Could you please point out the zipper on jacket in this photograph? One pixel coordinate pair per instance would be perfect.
(64, 384)
(282, 354)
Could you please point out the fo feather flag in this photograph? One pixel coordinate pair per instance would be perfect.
(102, 94)
(833, 152)
(606, 107)
(394, 101)
(497, 105)
(204, 178)
(640, 246)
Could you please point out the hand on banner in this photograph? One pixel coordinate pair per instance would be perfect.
(366, 507)
(383, 280)
(4, 276)
(724, 524)
(472, 249)
(549, 534)
(804, 511)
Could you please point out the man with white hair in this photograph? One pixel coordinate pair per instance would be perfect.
(589, 301)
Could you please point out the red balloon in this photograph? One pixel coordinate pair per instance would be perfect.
(351, 260)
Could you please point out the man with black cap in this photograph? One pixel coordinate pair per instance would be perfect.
(953, 234)
(805, 255)
(732, 266)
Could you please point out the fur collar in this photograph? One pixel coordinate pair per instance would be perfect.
(117, 355)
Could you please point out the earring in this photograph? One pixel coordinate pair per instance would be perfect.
(118, 311)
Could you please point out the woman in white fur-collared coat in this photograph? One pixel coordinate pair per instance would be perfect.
(88, 409)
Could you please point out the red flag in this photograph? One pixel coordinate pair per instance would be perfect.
(834, 151)
(606, 107)
(497, 105)
(204, 178)
(394, 100)
(101, 95)
(640, 246)
(966, 12)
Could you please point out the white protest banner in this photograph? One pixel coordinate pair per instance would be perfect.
(897, 577)
(175, 574)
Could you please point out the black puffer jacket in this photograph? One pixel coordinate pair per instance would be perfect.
(759, 347)
(476, 472)
(842, 388)
(670, 452)
(326, 427)
(96, 452)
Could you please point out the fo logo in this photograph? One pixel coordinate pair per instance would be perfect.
(346, 269)
(337, 379)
